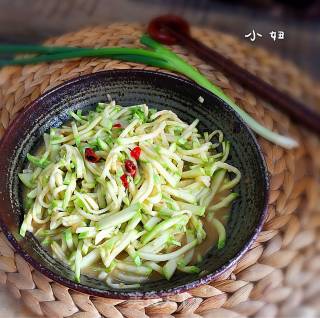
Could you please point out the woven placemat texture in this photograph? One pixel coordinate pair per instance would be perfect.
(279, 276)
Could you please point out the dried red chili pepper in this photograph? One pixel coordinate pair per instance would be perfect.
(135, 152)
(90, 155)
(130, 167)
(117, 126)
(124, 181)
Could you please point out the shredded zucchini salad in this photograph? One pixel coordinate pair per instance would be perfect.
(128, 194)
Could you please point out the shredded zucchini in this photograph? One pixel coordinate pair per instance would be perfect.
(123, 192)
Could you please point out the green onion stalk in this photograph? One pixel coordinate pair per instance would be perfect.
(157, 56)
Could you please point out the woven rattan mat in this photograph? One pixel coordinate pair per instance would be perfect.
(279, 276)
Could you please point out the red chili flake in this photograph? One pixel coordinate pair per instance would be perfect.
(91, 155)
(117, 126)
(130, 167)
(124, 181)
(135, 152)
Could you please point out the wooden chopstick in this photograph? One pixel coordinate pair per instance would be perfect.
(298, 111)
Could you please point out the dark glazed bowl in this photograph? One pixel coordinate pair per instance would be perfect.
(129, 87)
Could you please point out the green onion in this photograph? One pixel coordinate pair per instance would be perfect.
(159, 56)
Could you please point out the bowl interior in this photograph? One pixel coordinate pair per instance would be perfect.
(161, 91)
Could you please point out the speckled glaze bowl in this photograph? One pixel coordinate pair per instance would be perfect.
(161, 91)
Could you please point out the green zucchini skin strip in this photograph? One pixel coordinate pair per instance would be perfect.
(119, 218)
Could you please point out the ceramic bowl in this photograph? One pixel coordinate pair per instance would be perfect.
(161, 91)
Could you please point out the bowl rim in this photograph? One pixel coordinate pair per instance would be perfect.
(127, 294)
